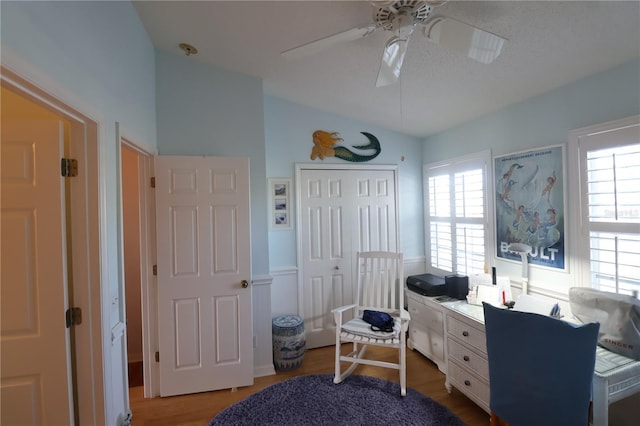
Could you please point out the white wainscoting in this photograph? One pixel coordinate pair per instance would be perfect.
(262, 343)
(117, 413)
(284, 292)
(415, 266)
(284, 288)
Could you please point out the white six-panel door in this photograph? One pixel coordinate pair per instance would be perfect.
(204, 267)
(36, 380)
(341, 212)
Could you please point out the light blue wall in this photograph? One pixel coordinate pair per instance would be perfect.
(545, 119)
(204, 110)
(288, 129)
(97, 58)
(541, 121)
(97, 53)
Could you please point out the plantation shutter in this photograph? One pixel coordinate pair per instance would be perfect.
(456, 213)
(611, 209)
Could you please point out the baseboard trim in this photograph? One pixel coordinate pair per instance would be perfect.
(265, 370)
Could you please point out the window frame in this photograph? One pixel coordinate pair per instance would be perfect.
(580, 228)
(483, 160)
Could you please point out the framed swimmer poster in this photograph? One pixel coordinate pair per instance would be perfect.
(530, 205)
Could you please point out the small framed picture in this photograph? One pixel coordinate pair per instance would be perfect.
(280, 203)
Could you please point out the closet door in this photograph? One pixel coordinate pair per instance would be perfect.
(342, 211)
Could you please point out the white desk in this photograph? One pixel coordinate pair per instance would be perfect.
(615, 376)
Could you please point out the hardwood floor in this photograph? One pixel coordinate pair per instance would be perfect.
(198, 409)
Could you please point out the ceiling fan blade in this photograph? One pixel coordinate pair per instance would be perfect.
(477, 44)
(392, 59)
(325, 42)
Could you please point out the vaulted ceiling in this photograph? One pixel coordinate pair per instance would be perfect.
(549, 44)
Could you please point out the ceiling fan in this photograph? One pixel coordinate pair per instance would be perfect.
(401, 18)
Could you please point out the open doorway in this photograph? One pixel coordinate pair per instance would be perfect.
(139, 254)
(131, 244)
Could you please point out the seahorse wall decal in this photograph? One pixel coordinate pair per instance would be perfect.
(324, 146)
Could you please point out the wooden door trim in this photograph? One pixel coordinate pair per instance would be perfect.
(87, 246)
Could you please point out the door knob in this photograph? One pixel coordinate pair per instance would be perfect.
(336, 267)
(244, 283)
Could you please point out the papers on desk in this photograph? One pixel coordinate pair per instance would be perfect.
(489, 294)
(481, 290)
(537, 305)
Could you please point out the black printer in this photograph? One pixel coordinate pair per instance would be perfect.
(427, 285)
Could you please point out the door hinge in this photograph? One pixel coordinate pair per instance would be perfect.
(69, 167)
(155, 269)
(157, 356)
(153, 182)
(73, 316)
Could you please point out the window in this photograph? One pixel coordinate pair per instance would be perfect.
(456, 214)
(609, 175)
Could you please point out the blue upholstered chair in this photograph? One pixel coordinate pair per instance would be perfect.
(540, 368)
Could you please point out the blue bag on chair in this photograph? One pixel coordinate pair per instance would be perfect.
(380, 321)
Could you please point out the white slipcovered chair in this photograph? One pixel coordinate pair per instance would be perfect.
(380, 287)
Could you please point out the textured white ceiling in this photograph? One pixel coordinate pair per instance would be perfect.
(550, 43)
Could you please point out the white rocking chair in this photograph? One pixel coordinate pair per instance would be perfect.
(380, 278)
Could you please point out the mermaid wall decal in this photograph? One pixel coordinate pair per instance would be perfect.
(324, 146)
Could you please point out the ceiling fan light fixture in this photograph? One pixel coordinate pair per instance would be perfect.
(386, 15)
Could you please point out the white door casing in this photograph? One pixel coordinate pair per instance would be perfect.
(147, 253)
(341, 211)
(36, 369)
(204, 255)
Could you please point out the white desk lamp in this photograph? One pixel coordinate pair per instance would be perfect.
(524, 250)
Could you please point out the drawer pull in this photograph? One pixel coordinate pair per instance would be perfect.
(465, 333)
(466, 358)
(467, 383)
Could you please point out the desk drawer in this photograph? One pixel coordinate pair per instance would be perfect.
(428, 341)
(426, 316)
(468, 358)
(469, 384)
(467, 334)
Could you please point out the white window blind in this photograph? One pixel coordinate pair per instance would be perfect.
(455, 213)
(611, 208)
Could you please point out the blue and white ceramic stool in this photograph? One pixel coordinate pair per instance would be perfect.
(288, 342)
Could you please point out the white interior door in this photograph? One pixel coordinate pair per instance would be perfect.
(341, 212)
(36, 380)
(204, 255)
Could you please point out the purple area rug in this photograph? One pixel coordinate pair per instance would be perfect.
(316, 400)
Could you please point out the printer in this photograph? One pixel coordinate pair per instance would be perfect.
(427, 285)
(454, 286)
